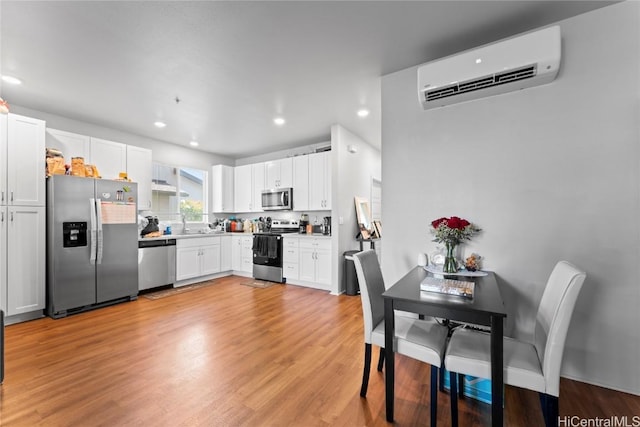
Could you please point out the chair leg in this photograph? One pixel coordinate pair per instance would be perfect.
(434, 395)
(550, 412)
(365, 372)
(454, 398)
(381, 360)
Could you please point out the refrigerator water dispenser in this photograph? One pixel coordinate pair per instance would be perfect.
(74, 234)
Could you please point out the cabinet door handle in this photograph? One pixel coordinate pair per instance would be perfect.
(2, 220)
(11, 216)
(2, 196)
(12, 196)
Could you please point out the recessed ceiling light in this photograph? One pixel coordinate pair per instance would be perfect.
(11, 80)
(363, 112)
(194, 143)
(159, 124)
(279, 121)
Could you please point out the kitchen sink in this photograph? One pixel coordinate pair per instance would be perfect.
(200, 231)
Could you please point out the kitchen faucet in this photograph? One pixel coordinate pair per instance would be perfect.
(185, 230)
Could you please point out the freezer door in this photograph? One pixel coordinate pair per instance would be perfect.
(117, 251)
(70, 274)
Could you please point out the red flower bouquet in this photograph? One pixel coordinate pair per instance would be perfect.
(452, 231)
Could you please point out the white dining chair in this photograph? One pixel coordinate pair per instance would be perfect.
(531, 365)
(423, 340)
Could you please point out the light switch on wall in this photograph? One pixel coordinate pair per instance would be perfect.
(341, 220)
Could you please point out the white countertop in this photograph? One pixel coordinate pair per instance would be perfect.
(307, 236)
(223, 233)
(193, 235)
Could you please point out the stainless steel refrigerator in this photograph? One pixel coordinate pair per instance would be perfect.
(92, 243)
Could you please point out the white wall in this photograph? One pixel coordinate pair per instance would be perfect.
(548, 173)
(163, 152)
(352, 175)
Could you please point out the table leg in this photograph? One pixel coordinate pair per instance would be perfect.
(497, 381)
(389, 371)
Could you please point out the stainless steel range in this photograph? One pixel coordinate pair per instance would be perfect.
(267, 250)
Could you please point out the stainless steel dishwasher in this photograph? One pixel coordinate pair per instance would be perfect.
(156, 263)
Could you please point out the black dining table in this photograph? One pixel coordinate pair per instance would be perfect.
(485, 308)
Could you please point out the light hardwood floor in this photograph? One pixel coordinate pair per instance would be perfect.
(233, 355)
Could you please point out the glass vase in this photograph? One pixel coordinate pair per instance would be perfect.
(450, 263)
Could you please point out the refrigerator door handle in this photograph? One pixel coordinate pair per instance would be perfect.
(92, 228)
(99, 226)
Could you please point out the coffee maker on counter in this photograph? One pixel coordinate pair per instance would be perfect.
(326, 225)
(304, 220)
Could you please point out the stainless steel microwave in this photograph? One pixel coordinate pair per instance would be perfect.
(278, 199)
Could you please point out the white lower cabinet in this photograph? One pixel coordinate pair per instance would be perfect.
(247, 253)
(197, 257)
(236, 253)
(210, 257)
(242, 253)
(25, 258)
(225, 253)
(290, 258)
(313, 268)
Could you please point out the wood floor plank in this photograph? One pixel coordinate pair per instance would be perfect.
(233, 355)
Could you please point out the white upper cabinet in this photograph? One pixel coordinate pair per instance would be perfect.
(140, 170)
(258, 175)
(109, 157)
(222, 184)
(24, 160)
(3, 158)
(301, 183)
(248, 186)
(278, 173)
(320, 181)
(243, 188)
(70, 144)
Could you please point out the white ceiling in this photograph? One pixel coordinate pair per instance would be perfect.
(237, 65)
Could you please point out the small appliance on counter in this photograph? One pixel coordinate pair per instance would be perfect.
(325, 227)
(304, 221)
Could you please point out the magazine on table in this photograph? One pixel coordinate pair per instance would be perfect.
(448, 286)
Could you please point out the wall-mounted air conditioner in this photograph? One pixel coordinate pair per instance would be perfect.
(520, 62)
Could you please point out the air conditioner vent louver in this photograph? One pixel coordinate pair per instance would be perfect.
(508, 65)
(481, 83)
